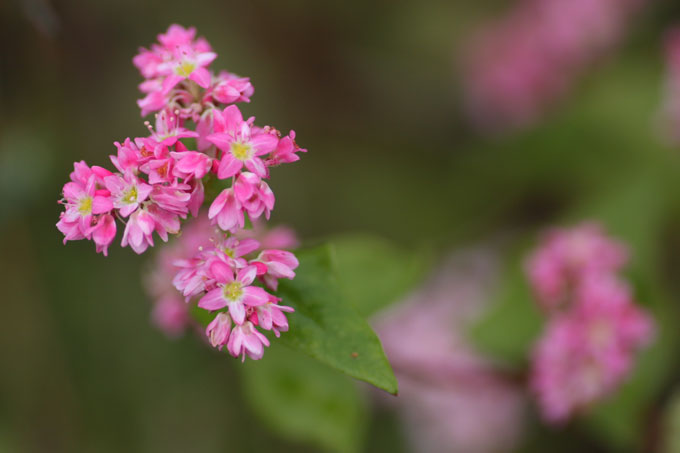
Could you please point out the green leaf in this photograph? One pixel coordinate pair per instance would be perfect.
(327, 327)
(512, 323)
(374, 273)
(305, 401)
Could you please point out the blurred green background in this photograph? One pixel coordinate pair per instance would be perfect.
(372, 90)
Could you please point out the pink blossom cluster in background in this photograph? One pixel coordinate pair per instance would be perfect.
(451, 397)
(594, 327)
(516, 67)
(199, 138)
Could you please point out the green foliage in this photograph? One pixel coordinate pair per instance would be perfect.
(326, 326)
(305, 401)
(509, 328)
(374, 273)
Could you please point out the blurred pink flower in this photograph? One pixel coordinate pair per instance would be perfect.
(566, 256)
(451, 398)
(594, 327)
(587, 352)
(516, 67)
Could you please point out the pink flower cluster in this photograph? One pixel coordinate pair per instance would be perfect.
(594, 327)
(199, 138)
(516, 67)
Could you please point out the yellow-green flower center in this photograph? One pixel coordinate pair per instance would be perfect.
(233, 291)
(241, 151)
(185, 68)
(229, 252)
(85, 206)
(131, 195)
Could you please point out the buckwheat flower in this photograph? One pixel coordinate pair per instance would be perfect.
(127, 192)
(82, 203)
(226, 211)
(187, 64)
(451, 397)
(519, 66)
(159, 170)
(169, 129)
(173, 198)
(245, 339)
(233, 250)
(229, 88)
(82, 172)
(285, 151)
(128, 157)
(177, 36)
(165, 222)
(170, 315)
(191, 164)
(566, 256)
(254, 195)
(103, 233)
(196, 197)
(138, 231)
(240, 143)
(586, 352)
(277, 264)
(155, 100)
(270, 316)
(234, 292)
(218, 330)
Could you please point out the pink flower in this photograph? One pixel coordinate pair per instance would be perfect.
(566, 256)
(103, 233)
(589, 345)
(519, 66)
(191, 164)
(177, 36)
(81, 204)
(584, 357)
(233, 250)
(173, 198)
(233, 292)
(230, 88)
(451, 397)
(196, 197)
(187, 63)
(218, 330)
(159, 170)
(254, 195)
(81, 173)
(169, 129)
(270, 316)
(240, 143)
(277, 264)
(138, 231)
(127, 192)
(170, 315)
(285, 151)
(226, 211)
(245, 339)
